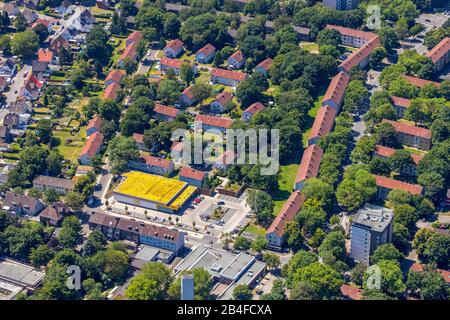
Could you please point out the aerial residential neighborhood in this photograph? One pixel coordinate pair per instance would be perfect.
(225, 150)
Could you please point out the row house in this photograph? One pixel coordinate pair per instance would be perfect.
(334, 96)
(193, 177)
(130, 53)
(111, 91)
(22, 204)
(400, 105)
(221, 103)
(205, 54)
(165, 113)
(264, 67)
(410, 135)
(94, 125)
(385, 152)
(275, 234)
(114, 76)
(173, 48)
(440, 54)
(236, 60)
(150, 164)
(174, 64)
(92, 147)
(418, 82)
(323, 124)
(386, 185)
(309, 166)
(253, 109)
(204, 122)
(187, 97)
(227, 77)
(225, 160)
(62, 186)
(360, 58)
(353, 37)
(134, 37)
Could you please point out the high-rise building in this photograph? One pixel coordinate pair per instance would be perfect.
(187, 287)
(370, 227)
(341, 4)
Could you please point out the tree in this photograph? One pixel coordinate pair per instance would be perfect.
(355, 97)
(357, 188)
(20, 23)
(259, 244)
(311, 218)
(54, 161)
(388, 38)
(121, 150)
(42, 32)
(433, 183)
(242, 292)
(334, 242)
(109, 110)
(203, 285)
(322, 281)
(51, 196)
(262, 205)
(19, 240)
(41, 255)
(241, 243)
(329, 37)
(319, 191)
(115, 264)
(95, 243)
(391, 280)
(69, 235)
(134, 120)
(427, 285)
(401, 161)
(186, 73)
(5, 44)
(201, 91)
(433, 248)
(74, 200)
(406, 215)
(377, 56)
(169, 91)
(97, 47)
(299, 260)
(386, 252)
(386, 135)
(25, 44)
(272, 260)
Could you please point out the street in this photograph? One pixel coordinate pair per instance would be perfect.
(19, 81)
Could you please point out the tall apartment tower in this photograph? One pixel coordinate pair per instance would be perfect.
(341, 4)
(187, 287)
(370, 227)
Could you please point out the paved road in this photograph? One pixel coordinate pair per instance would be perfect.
(19, 81)
(104, 180)
(145, 64)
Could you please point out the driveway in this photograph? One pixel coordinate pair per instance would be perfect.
(19, 81)
(146, 62)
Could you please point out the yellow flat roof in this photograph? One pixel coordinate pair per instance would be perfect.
(150, 187)
(186, 194)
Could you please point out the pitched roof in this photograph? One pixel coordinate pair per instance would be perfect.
(93, 144)
(13, 199)
(226, 157)
(238, 56)
(397, 185)
(224, 98)
(156, 162)
(138, 137)
(54, 182)
(115, 75)
(401, 102)
(287, 213)
(419, 82)
(175, 44)
(55, 212)
(336, 88)
(352, 32)
(254, 108)
(165, 110)
(177, 146)
(206, 50)
(95, 122)
(358, 56)
(409, 129)
(188, 172)
(228, 74)
(172, 63)
(351, 292)
(188, 92)
(389, 152)
(129, 52)
(214, 121)
(102, 219)
(323, 122)
(309, 166)
(111, 91)
(135, 36)
(440, 50)
(265, 64)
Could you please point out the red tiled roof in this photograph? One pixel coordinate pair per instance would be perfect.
(389, 152)
(138, 137)
(45, 22)
(417, 267)
(227, 74)
(45, 55)
(188, 92)
(226, 158)
(171, 63)
(392, 184)
(265, 64)
(287, 213)
(129, 52)
(95, 122)
(111, 91)
(177, 146)
(207, 49)
(2, 81)
(224, 98)
(135, 36)
(409, 129)
(255, 107)
(419, 82)
(115, 75)
(214, 121)
(439, 50)
(175, 44)
(309, 166)
(238, 56)
(351, 292)
(190, 173)
(358, 56)
(32, 80)
(93, 144)
(336, 89)
(165, 110)
(323, 123)
(352, 32)
(156, 162)
(401, 102)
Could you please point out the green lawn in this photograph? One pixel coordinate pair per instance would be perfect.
(312, 115)
(70, 150)
(312, 47)
(255, 229)
(286, 183)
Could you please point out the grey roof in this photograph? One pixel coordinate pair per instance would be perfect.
(54, 182)
(15, 200)
(374, 217)
(21, 274)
